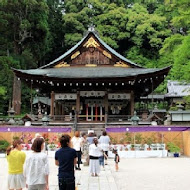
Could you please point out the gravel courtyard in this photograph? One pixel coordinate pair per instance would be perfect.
(133, 174)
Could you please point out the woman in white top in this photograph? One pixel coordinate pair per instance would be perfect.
(37, 135)
(77, 143)
(94, 153)
(36, 169)
(104, 141)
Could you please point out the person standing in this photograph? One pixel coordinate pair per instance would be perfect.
(77, 143)
(36, 168)
(65, 158)
(37, 135)
(85, 148)
(16, 159)
(104, 141)
(116, 159)
(90, 138)
(94, 153)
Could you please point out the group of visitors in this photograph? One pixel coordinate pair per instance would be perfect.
(32, 171)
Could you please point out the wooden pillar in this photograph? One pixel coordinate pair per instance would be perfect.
(52, 103)
(86, 112)
(106, 107)
(16, 103)
(132, 103)
(92, 113)
(78, 104)
(101, 113)
(96, 112)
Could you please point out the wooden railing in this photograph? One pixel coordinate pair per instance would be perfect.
(91, 118)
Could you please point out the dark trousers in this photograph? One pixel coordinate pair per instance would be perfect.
(66, 184)
(78, 158)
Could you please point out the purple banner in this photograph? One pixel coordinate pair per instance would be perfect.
(45, 129)
(146, 128)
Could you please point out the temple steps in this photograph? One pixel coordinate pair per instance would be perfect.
(98, 128)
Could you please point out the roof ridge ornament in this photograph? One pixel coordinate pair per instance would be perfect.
(91, 27)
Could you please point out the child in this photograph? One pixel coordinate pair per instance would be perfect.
(117, 159)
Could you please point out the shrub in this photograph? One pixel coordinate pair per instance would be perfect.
(173, 148)
(4, 145)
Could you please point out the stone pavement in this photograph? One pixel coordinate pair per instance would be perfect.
(133, 174)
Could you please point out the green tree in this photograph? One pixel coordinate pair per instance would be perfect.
(6, 78)
(24, 26)
(24, 40)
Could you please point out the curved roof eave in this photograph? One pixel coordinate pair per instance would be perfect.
(87, 72)
(65, 54)
(115, 53)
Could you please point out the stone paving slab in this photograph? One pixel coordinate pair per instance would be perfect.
(133, 174)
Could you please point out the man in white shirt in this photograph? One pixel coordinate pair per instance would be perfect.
(77, 143)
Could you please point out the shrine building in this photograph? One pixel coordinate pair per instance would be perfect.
(90, 84)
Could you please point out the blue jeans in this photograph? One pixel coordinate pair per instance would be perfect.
(101, 160)
(66, 183)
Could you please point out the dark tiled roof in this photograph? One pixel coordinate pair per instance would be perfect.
(90, 72)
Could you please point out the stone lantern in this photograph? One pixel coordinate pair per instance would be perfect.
(135, 119)
(11, 113)
(45, 119)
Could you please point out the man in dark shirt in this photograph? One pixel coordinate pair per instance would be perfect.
(65, 158)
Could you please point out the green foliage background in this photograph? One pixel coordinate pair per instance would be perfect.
(152, 33)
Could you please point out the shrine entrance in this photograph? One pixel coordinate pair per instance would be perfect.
(92, 106)
(94, 109)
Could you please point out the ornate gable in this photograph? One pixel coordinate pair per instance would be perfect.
(91, 51)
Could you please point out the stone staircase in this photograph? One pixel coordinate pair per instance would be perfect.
(98, 128)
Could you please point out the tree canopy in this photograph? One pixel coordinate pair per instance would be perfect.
(152, 33)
